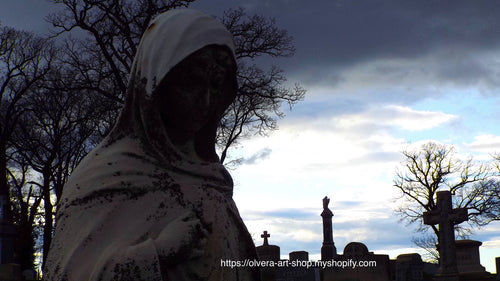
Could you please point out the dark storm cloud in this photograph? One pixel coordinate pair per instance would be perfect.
(332, 36)
(350, 31)
(450, 37)
(26, 15)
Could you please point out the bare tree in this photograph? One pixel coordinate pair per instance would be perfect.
(436, 167)
(54, 135)
(24, 60)
(78, 100)
(113, 30)
(427, 241)
(25, 198)
(260, 93)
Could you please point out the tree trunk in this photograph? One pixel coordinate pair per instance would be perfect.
(48, 225)
(4, 185)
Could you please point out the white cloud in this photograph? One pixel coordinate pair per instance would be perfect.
(397, 116)
(492, 244)
(329, 156)
(350, 158)
(486, 143)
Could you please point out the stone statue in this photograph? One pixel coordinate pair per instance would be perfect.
(326, 201)
(152, 201)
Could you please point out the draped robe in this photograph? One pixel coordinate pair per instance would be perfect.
(136, 208)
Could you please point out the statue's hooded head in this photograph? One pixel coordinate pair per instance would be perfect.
(182, 80)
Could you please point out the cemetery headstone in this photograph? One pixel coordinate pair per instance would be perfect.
(446, 217)
(361, 265)
(271, 253)
(267, 252)
(299, 255)
(409, 267)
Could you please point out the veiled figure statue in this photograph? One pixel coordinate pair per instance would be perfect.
(152, 201)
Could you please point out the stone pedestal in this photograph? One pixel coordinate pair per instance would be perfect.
(468, 262)
(468, 256)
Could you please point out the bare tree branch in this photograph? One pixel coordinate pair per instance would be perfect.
(433, 167)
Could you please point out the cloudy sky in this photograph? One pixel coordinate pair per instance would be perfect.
(381, 76)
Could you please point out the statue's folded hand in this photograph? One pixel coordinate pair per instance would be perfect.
(182, 239)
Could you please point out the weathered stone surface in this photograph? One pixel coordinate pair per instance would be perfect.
(447, 218)
(152, 201)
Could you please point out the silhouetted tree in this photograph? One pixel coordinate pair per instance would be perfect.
(56, 132)
(437, 167)
(54, 111)
(113, 30)
(25, 59)
(26, 198)
(260, 93)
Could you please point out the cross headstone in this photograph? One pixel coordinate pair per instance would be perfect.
(265, 235)
(446, 217)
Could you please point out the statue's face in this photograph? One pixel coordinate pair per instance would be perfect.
(197, 90)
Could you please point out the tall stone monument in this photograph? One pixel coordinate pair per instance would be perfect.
(328, 250)
(446, 217)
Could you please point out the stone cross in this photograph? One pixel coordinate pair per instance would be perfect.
(447, 218)
(265, 235)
